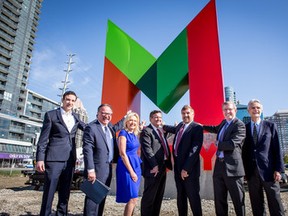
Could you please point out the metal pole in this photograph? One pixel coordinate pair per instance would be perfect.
(66, 81)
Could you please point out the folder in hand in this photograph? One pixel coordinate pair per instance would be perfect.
(96, 191)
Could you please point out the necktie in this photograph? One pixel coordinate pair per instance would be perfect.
(109, 143)
(220, 154)
(179, 135)
(221, 136)
(163, 143)
(255, 136)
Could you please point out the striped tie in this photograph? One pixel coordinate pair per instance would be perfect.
(255, 136)
(179, 135)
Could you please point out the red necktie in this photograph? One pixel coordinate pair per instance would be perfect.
(179, 135)
(163, 143)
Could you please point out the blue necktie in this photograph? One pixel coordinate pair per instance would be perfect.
(220, 139)
(221, 136)
(109, 143)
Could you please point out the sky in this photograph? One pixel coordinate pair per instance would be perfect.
(253, 39)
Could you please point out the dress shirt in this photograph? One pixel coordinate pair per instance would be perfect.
(68, 118)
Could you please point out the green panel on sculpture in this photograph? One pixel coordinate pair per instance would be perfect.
(172, 73)
(126, 54)
(148, 83)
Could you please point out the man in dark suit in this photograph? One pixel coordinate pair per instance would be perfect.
(56, 153)
(186, 148)
(228, 172)
(263, 162)
(156, 157)
(100, 151)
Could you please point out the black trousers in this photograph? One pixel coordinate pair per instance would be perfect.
(188, 188)
(256, 187)
(58, 175)
(154, 188)
(222, 185)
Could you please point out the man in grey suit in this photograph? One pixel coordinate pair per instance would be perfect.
(56, 153)
(263, 162)
(186, 148)
(228, 172)
(100, 151)
(156, 157)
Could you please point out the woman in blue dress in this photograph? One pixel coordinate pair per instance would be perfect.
(128, 171)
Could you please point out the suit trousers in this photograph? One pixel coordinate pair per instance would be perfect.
(154, 188)
(58, 175)
(223, 184)
(256, 193)
(188, 188)
(90, 207)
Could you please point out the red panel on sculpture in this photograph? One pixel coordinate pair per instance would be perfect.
(205, 75)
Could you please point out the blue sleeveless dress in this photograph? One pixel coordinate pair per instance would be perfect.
(126, 188)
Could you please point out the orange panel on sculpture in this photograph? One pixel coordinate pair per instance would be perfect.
(119, 92)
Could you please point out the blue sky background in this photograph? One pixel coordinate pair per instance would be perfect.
(253, 46)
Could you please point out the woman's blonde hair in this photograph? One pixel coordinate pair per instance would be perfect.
(128, 117)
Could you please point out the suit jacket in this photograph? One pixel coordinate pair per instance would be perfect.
(152, 152)
(231, 145)
(189, 148)
(95, 148)
(56, 143)
(267, 151)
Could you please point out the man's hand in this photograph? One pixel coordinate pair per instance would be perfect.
(40, 167)
(91, 176)
(155, 170)
(184, 174)
(128, 112)
(277, 176)
(142, 124)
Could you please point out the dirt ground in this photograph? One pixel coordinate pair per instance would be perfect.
(18, 199)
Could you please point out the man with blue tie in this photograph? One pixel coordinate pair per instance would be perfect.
(56, 153)
(263, 162)
(228, 175)
(100, 151)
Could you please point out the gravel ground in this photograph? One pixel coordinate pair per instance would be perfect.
(17, 199)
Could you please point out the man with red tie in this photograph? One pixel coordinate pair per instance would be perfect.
(186, 148)
(156, 158)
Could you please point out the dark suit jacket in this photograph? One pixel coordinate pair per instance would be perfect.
(189, 148)
(231, 145)
(268, 153)
(95, 148)
(55, 142)
(152, 152)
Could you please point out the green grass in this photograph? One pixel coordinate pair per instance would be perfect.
(13, 173)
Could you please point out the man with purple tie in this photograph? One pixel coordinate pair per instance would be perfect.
(186, 149)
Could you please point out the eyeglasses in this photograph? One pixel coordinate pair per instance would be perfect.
(106, 114)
